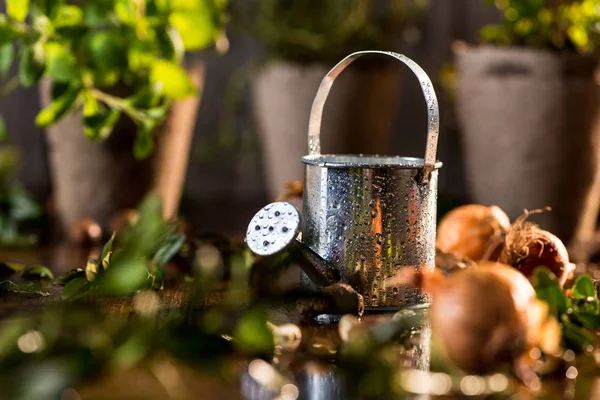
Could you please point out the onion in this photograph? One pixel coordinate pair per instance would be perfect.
(528, 247)
(473, 231)
(487, 315)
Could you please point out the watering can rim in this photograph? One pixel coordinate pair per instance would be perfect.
(366, 161)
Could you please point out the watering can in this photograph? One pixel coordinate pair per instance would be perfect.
(366, 218)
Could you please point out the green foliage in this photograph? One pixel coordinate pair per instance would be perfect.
(316, 30)
(578, 314)
(97, 48)
(552, 24)
(68, 344)
(29, 279)
(19, 213)
(131, 260)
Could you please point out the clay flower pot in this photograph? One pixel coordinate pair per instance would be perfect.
(531, 134)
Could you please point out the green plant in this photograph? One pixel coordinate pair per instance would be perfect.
(19, 213)
(135, 262)
(578, 313)
(553, 24)
(315, 30)
(108, 57)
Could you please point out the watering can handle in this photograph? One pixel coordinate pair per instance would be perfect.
(433, 120)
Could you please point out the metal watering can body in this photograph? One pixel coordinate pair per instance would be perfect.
(372, 217)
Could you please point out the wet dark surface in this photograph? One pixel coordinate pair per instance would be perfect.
(301, 366)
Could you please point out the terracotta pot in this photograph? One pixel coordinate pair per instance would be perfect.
(97, 180)
(531, 135)
(358, 114)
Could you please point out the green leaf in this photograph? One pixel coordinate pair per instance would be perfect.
(7, 32)
(7, 54)
(140, 57)
(548, 289)
(168, 250)
(69, 276)
(584, 288)
(590, 321)
(14, 267)
(91, 270)
(3, 130)
(10, 333)
(67, 16)
(99, 126)
(30, 69)
(172, 80)
(196, 28)
(130, 353)
(97, 13)
(125, 276)
(27, 287)
(61, 65)
(17, 9)
(577, 337)
(158, 113)
(58, 107)
(150, 227)
(107, 50)
(144, 143)
(144, 97)
(108, 247)
(37, 272)
(252, 334)
(76, 288)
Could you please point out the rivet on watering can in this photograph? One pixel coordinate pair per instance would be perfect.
(274, 228)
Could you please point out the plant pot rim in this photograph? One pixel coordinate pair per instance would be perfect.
(513, 50)
(561, 62)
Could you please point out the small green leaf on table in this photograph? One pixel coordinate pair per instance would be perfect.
(76, 288)
(69, 276)
(26, 287)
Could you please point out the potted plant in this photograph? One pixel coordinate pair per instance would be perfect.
(528, 105)
(304, 39)
(113, 84)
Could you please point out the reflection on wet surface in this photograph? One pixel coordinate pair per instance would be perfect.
(310, 368)
(304, 372)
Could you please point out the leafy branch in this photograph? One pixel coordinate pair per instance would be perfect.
(555, 24)
(131, 260)
(578, 311)
(92, 50)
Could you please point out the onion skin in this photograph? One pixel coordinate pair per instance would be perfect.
(473, 231)
(528, 247)
(474, 316)
(489, 315)
(522, 291)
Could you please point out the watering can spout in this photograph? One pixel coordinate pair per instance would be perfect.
(274, 229)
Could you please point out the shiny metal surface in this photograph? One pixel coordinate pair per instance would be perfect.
(273, 228)
(371, 217)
